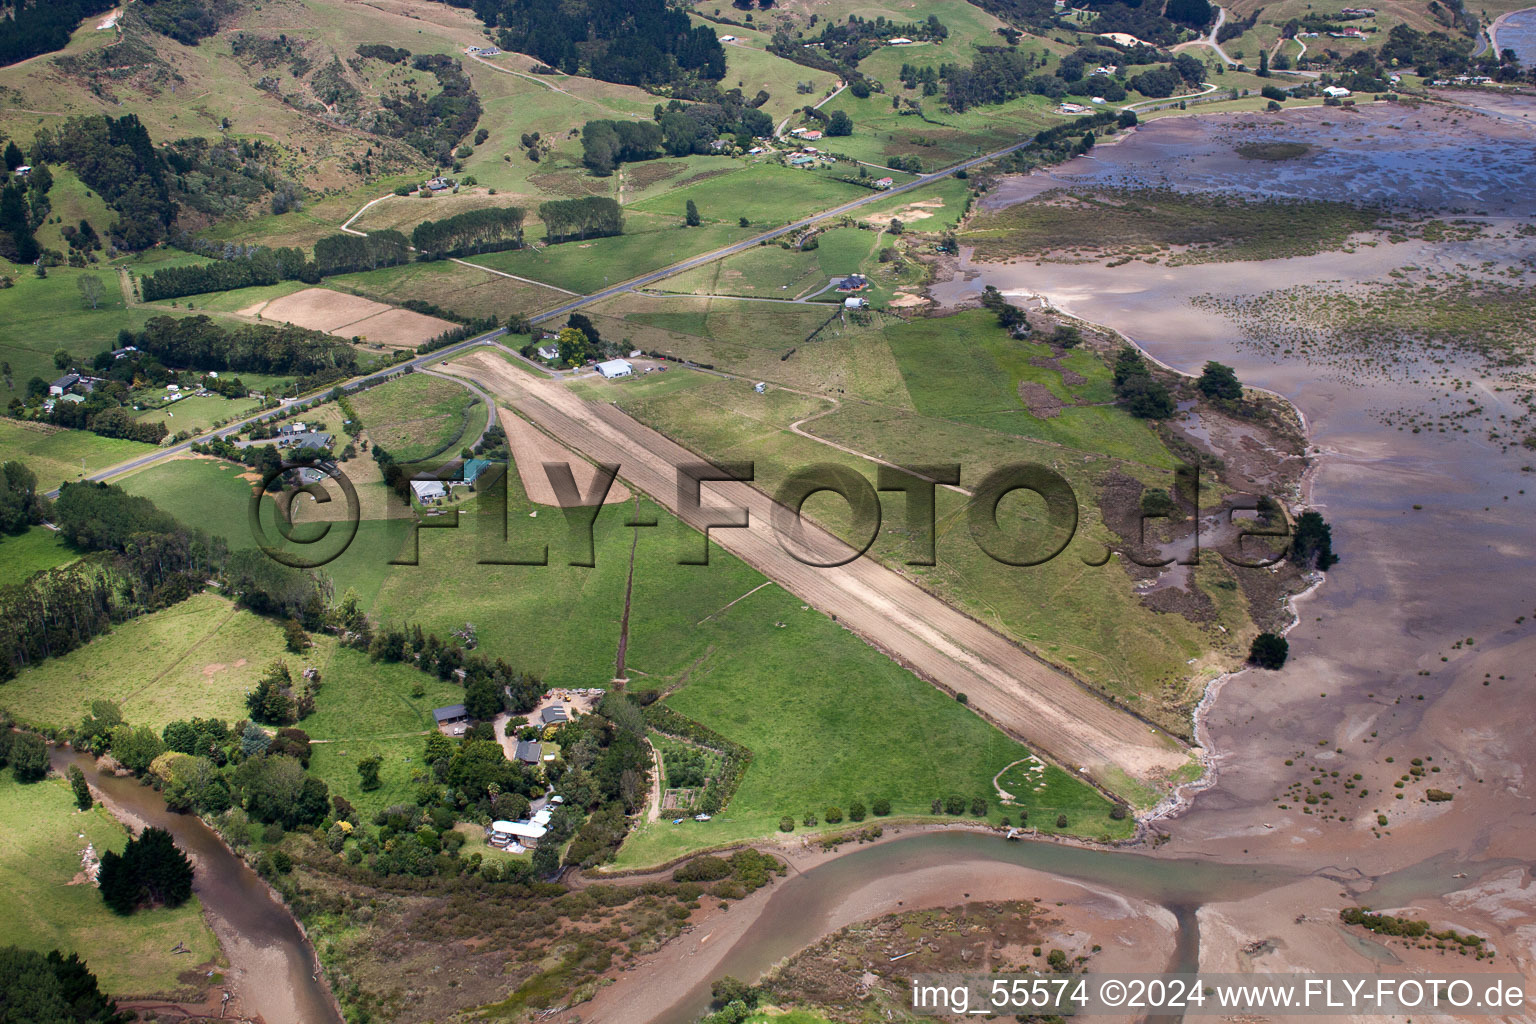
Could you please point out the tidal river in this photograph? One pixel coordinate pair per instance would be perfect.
(272, 964)
(1437, 544)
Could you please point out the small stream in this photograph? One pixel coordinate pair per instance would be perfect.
(272, 960)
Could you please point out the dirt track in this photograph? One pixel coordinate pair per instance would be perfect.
(1027, 698)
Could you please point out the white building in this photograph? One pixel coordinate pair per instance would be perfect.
(854, 302)
(615, 368)
(428, 490)
(1336, 91)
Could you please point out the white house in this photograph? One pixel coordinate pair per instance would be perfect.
(854, 302)
(615, 368)
(428, 490)
(548, 352)
(727, 39)
(900, 41)
(1336, 91)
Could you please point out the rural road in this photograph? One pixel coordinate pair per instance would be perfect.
(1210, 38)
(1030, 700)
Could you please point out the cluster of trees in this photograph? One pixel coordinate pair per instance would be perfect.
(20, 504)
(470, 232)
(634, 42)
(24, 205)
(996, 76)
(280, 700)
(676, 130)
(1134, 17)
(1009, 316)
(201, 343)
(381, 51)
(491, 686)
(433, 124)
(115, 157)
(1137, 390)
(102, 413)
(53, 989)
(1269, 650)
(349, 254)
(151, 871)
(1218, 381)
(1312, 542)
(589, 217)
(857, 38)
(186, 21)
(25, 753)
(268, 587)
(143, 560)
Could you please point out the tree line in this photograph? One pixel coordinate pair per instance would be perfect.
(244, 267)
(470, 232)
(588, 217)
(201, 343)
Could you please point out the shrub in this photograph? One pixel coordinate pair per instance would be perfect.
(954, 804)
(1439, 796)
(856, 811)
(1268, 651)
(786, 824)
(881, 807)
(978, 808)
(1118, 812)
(1061, 821)
(832, 815)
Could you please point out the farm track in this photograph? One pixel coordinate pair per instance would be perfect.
(1030, 700)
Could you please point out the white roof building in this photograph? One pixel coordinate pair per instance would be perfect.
(426, 490)
(1336, 91)
(615, 368)
(518, 829)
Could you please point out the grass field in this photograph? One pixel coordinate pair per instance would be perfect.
(418, 416)
(946, 390)
(768, 271)
(205, 493)
(648, 242)
(766, 194)
(199, 413)
(39, 316)
(34, 549)
(467, 291)
(41, 838)
(56, 454)
(199, 657)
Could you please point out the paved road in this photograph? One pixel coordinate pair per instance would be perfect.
(709, 257)
(1210, 38)
(355, 383)
(567, 307)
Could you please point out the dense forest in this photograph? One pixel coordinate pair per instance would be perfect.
(592, 217)
(633, 42)
(42, 26)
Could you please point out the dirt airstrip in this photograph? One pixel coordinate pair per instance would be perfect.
(531, 449)
(348, 316)
(1027, 698)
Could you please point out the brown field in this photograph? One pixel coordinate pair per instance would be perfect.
(349, 316)
(531, 448)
